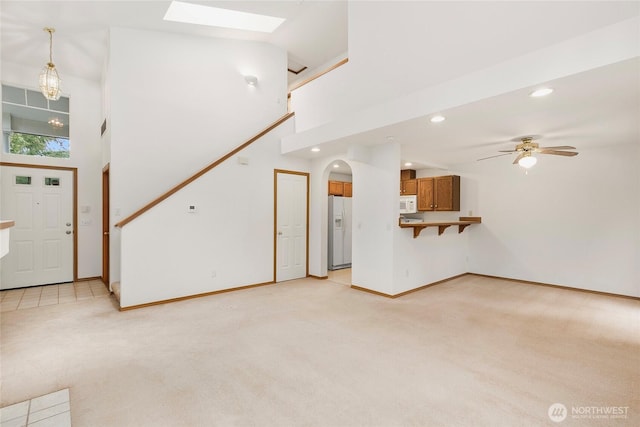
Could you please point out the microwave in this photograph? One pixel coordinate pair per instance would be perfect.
(408, 204)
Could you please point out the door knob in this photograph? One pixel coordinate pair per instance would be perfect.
(68, 231)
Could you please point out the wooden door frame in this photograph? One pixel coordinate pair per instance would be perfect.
(275, 219)
(106, 265)
(74, 172)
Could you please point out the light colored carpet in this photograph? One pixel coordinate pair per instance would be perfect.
(471, 351)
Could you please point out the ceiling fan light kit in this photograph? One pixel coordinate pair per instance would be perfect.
(527, 148)
(527, 161)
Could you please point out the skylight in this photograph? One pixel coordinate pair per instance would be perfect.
(216, 17)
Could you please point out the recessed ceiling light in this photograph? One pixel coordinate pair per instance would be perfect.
(216, 17)
(541, 92)
(408, 164)
(315, 149)
(336, 165)
(437, 119)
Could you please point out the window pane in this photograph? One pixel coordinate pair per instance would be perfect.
(36, 99)
(23, 180)
(13, 94)
(52, 181)
(38, 145)
(61, 104)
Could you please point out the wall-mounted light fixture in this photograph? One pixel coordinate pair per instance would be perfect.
(251, 80)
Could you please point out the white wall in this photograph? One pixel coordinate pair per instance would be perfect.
(569, 221)
(333, 176)
(326, 109)
(177, 103)
(84, 112)
(375, 177)
(169, 253)
(375, 214)
(431, 257)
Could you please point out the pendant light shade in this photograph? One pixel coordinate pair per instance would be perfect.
(49, 79)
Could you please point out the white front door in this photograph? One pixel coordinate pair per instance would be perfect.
(41, 246)
(291, 226)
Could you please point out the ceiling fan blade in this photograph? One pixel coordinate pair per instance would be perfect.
(559, 147)
(515, 162)
(491, 157)
(559, 153)
(507, 151)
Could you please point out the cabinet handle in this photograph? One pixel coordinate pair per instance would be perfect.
(436, 206)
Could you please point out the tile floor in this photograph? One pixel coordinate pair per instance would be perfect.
(38, 296)
(50, 410)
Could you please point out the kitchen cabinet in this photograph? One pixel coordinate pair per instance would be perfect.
(408, 182)
(336, 188)
(348, 189)
(409, 187)
(439, 193)
(339, 188)
(406, 174)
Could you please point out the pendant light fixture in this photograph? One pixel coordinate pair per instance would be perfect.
(49, 79)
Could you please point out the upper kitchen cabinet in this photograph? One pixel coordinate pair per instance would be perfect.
(408, 182)
(339, 188)
(439, 193)
(406, 174)
(348, 189)
(409, 187)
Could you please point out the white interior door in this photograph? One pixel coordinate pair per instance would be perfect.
(41, 245)
(291, 226)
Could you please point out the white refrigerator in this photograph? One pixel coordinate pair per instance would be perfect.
(339, 232)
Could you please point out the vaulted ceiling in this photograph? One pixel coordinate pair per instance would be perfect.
(393, 49)
(314, 32)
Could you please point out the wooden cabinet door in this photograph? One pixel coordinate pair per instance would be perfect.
(409, 187)
(447, 193)
(425, 194)
(336, 188)
(348, 189)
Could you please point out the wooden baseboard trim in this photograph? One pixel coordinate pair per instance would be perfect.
(318, 277)
(381, 294)
(566, 288)
(410, 291)
(206, 294)
(86, 279)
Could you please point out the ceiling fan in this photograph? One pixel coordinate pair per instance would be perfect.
(527, 148)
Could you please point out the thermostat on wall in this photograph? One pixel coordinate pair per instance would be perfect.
(191, 208)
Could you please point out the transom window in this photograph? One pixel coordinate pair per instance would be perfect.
(33, 125)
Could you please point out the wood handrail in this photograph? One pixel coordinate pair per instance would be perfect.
(197, 175)
(320, 74)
